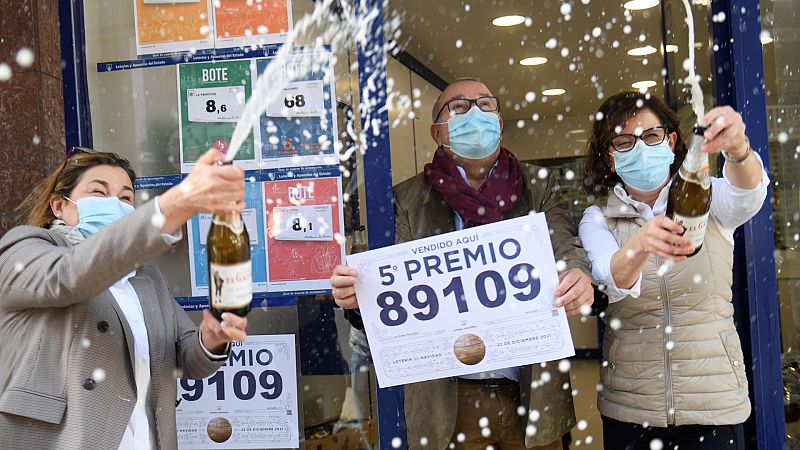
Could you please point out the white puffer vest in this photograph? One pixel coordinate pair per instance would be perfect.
(675, 358)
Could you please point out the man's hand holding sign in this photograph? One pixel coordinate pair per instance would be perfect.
(462, 302)
(474, 315)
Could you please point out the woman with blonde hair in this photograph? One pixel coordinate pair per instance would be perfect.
(92, 338)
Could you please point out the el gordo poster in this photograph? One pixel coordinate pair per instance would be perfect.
(303, 221)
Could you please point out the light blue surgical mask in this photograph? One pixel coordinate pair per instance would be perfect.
(644, 168)
(98, 212)
(474, 134)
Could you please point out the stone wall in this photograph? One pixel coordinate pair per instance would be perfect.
(31, 102)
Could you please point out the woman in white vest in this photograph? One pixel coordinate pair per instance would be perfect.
(673, 372)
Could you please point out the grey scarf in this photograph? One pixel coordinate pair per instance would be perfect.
(71, 234)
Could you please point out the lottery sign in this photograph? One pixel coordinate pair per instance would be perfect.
(464, 302)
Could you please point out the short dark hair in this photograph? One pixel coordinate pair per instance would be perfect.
(615, 111)
(35, 209)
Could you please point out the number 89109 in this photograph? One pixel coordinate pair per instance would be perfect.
(425, 299)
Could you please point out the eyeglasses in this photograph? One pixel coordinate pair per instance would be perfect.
(458, 106)
(72, 151)
(651, 137)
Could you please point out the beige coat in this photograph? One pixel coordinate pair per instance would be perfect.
(675, 358)
(59, 323)
(430, 407)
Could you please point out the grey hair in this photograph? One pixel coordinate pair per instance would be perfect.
(437, 107)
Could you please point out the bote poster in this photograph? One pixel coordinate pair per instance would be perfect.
(303, 220)
(212, 99)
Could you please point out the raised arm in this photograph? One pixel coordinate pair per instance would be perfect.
(36, 270)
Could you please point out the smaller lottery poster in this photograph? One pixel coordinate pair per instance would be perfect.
(299, 128)
(249, 403)
(239, 23)
(212, 100)
(253, 217)
(167, 26)
(303, 219)
(170, 26)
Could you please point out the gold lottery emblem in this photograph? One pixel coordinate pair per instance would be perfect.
(219, 429)
(469, 349)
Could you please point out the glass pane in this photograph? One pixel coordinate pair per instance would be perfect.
(586, 46)
(136, 114)
(779, 39)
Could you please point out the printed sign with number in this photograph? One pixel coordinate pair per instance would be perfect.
(211, 99)
(217, 104)
(465, 302)
(303, 223)
(299, 99)
(302, 264)
(251, 402)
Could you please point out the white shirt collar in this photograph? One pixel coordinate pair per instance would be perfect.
(464, 172)
(659, 207)
(125, 278)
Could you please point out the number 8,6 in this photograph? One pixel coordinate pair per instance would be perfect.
(425, 298)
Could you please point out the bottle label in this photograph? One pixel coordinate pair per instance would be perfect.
(230, 286)
(695, 227)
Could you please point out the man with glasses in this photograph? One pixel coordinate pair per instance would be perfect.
(473, 180)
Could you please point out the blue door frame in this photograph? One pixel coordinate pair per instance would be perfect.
(378, 189)
(77, 118)
(738, 82)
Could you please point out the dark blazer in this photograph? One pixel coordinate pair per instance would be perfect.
(431, 406)
(59, 323)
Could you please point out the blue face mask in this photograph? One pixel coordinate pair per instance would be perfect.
(474, 134)
(97, 212)
(644, 168)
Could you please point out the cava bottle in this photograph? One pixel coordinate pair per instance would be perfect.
(690, 193)
(230, 284)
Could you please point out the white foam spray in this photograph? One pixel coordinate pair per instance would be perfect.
(289, 64)
(696, 97)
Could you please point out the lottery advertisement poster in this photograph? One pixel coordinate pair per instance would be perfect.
(166, 26)
(303, 218)
(249, 403)
(300, 127)
(253, 217)
(297, 130)
(171, 26)
(245, 22)
(212, 99)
